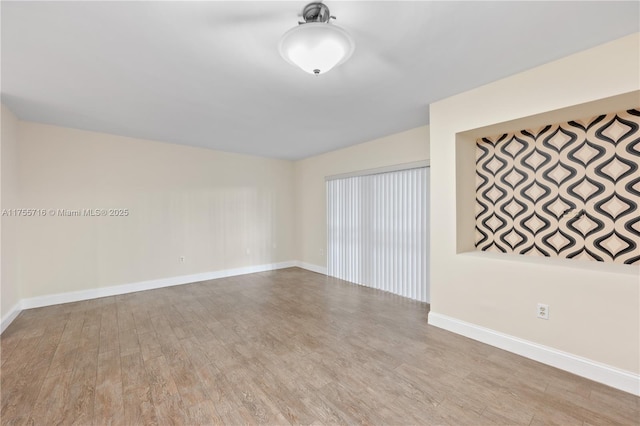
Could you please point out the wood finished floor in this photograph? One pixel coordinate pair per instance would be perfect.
(283, 347)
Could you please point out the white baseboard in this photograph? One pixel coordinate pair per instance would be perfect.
(10, 316)
(94, 293)
(311, 267)
(596, 371)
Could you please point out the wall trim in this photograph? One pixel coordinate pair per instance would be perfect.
(10, 316)
(593, 370)
(311, 267)
(95, 293)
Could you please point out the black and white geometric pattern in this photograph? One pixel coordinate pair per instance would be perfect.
(569, 190)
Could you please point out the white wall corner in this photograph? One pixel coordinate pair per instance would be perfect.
(10, 316)
(593, 370)
(311, 267)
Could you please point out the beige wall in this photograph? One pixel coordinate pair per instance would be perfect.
(310, 173)
(218, 210)
(9, 288)
(594, 311)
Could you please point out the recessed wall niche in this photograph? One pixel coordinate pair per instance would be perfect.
(570, 189)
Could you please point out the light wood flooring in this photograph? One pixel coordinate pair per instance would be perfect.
(282, 347)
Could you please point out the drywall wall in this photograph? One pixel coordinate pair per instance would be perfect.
(310, 188)
(9, 288)
(594, 310)
(218, 210)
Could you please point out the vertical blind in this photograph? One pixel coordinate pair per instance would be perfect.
(378, 231)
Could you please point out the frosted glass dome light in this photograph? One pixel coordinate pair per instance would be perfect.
(316, 45)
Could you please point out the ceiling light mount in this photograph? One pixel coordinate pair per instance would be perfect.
(316, 45)
(316, 12)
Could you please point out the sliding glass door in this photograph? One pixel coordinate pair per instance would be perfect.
(378, 231)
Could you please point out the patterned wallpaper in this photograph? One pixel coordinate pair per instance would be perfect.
(569, 190)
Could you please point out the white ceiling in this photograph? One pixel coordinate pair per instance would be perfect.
(209, 73)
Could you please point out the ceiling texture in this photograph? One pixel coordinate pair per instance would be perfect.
(209, 74)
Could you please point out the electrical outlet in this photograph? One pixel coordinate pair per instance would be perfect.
(543, 311)
(181, 259)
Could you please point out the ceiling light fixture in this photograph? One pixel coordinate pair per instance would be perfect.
(316, 45)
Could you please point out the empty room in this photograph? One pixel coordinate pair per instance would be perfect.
(335, 212)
